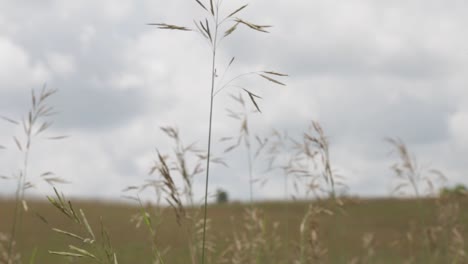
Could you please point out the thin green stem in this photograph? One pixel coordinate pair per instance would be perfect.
(213, 76)
(249, 158)
(235, 78)
(19, 197)
(286, 192)
(15, 216)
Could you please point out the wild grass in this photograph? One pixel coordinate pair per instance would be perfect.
(387, 219)
(34, 125)
(88, 247)
(325, 227)
(210, 28)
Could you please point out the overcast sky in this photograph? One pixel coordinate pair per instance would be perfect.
(364, 69)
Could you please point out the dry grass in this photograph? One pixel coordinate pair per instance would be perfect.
(33, 126)
(387, 219)
(255, 243)
(303, 232)
(88, 246)
(325, 228)
(211, 28)
(410, 174)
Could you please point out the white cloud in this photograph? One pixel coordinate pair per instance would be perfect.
(61, 64)
(17, 69)
(459, 129)
(87, 34)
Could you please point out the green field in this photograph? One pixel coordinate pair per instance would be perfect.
(341, 234)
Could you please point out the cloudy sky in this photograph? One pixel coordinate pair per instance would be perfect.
(365, 70)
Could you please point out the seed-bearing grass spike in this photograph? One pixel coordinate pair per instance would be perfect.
(210, 29)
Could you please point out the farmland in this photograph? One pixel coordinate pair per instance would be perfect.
(388, 220)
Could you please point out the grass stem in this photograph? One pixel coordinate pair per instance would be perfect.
(210, 123)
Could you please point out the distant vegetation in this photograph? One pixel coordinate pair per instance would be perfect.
(458, 191)
(222, 196)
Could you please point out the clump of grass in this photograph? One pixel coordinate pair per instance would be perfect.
(410, 174)
(446, 236)
(306, 161)
(442, 240)
(457, 246)
(186, 161)
(89, 245)
(368, 241)
(312, 167)
(8, 256)
(183, 155)
(157, 254)
(150, 216)
(33, 126)
(257, 241)
(244, 137)
(311, 248)
(312, 163)
(173, 196)
(211, 28)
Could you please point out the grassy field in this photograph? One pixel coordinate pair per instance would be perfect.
(350, 231)
(341, 234)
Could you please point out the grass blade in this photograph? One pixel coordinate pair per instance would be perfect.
(25, 205)
(43, 127)
(208, 29)
(18, 144)
(66, 254)
(32, 259)
(9, 120)
(168, 26)
(230, 30)
(260, 28)
(203, 6)
(82, 251)
(57, 137)
(88, 227)
(272, 80)
(275, 73)
(68, 234)
(237, 10)
(252, 98)
(200, 30)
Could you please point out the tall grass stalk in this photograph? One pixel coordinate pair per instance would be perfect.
(412, 176)
(33, 125)
(210, 123)
(88, 245)
(279, 147)
(245, 137)
(211, 34)
(181, 165)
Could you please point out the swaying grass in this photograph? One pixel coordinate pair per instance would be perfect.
(244, 137)
(88, 247)
(34, 125)
(210, 29)
(326, 228)
(435, 233)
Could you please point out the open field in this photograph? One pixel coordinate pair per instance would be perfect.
(388, 219)
(361, 69)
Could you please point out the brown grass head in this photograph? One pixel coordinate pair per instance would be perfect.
(410, 174)
(173, 196)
